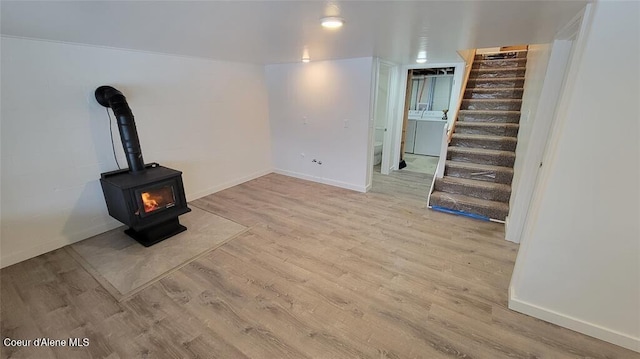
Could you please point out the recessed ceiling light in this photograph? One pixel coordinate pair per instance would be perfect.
(332, 22)
(305, 55)
(422, 57)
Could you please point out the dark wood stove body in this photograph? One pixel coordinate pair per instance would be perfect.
(149, 202)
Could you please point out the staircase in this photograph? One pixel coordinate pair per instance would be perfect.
(479, 167)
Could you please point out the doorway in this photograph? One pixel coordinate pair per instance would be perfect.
(424, 105)
(382, 114)
(428, 99)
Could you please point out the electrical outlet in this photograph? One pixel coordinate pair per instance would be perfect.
(302, 154)
(304, 120)
(346, 123)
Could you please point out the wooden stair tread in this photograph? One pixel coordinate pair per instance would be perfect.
(490, 112)
(487, 124)
(493, 99)
(481, 151)
(479, 202)
(477, 166)
(492, 89)
(499, 69)
(475, 183)
(484, 137)
(497, 79)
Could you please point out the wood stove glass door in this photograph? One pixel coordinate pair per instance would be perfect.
(156, 198)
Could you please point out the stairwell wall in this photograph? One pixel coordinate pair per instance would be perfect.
(578, 265)
(537, 61)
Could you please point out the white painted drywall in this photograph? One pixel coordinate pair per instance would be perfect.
(208, 119)
(537, 60)
(579, 262)
(525, 166)
(321, 110)
(268, 32)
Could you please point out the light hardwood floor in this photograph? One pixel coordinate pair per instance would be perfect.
(322, 273)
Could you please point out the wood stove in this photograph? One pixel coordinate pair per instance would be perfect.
(147, 198)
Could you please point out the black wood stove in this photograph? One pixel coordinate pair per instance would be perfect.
(148, 198)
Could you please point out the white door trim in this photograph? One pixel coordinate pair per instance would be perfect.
(401, 96)
(386, 146)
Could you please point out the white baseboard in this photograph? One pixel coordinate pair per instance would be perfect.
(217, 188)
(56, 243)
(368, 188)
(328, 181)
(513, 227)
(575, 324)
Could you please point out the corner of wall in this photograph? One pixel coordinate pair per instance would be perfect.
(323, 180)
(222, 186)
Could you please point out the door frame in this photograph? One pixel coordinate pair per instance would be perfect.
(401, 97)
(392, 93)
(386, 142)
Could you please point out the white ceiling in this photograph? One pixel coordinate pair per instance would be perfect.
(277, 31)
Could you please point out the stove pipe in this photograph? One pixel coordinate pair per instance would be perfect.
(107, 96)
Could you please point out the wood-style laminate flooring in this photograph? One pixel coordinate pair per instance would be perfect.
(321, 273)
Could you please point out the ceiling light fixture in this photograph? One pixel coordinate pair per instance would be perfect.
(422, 57)
(332, 22)
(305, 55)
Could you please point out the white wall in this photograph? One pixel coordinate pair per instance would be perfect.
(537, 61)
(326, 93)
(205, 118)
(579, 262)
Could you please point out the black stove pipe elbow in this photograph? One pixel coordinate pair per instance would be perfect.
(108, 96)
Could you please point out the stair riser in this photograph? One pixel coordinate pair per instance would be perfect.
(491, 131)
(496, 73)
(506, 161)
(493, 94)
(502, 145)
(486, 176)
(482, 64)
(491, 213)
(488, 83)
(502, 105)
(477, 192)
(479, 117)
